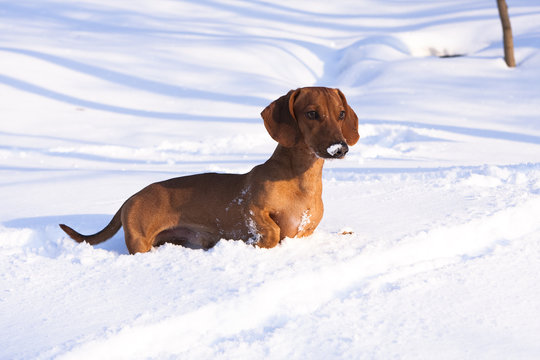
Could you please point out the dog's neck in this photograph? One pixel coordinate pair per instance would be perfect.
(298, 163)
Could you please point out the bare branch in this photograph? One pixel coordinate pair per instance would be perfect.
(507, 34)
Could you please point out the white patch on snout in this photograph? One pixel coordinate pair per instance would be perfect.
(333, 149)
(306, 220)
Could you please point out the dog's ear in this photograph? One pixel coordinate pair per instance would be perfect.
(349, 129)
(280, 121)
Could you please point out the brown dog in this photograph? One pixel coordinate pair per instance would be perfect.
(280, 198)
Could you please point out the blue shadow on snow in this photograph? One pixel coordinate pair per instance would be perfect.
(85, 224)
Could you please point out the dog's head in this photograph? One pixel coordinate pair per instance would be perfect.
(320, 117)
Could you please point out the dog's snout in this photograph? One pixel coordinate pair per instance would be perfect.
(338, 150)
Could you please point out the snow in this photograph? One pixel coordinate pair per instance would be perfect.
(333, 149)
(430, 240)
(305, 221)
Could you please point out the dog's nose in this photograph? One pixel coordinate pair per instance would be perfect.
(338, 150)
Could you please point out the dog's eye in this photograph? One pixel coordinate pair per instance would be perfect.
(342, 115)
(312, 115)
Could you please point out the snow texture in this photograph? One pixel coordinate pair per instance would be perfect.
(429, 246)
(333, 149)
(305, 221)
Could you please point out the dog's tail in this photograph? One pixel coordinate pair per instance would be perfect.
(105, 234)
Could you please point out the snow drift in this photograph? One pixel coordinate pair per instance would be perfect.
(430, 242)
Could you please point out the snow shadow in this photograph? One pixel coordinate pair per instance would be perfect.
(47, 232)
(139, 83)
(482, 133)
(55, 95)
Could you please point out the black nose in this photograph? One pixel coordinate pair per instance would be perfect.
(338, 150)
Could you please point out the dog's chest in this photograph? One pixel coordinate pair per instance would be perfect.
(299, 221)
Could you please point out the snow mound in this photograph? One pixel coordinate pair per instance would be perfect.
(430, 240)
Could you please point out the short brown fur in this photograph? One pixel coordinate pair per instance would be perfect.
(280, 198)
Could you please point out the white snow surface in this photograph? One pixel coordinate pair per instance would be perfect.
(442, 192)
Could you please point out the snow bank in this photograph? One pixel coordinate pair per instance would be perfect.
(440, 197)
(236, 300)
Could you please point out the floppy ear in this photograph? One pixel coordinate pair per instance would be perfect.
(280, 121)
(349, 129)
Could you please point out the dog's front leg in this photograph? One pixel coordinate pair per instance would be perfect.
(264, 231)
